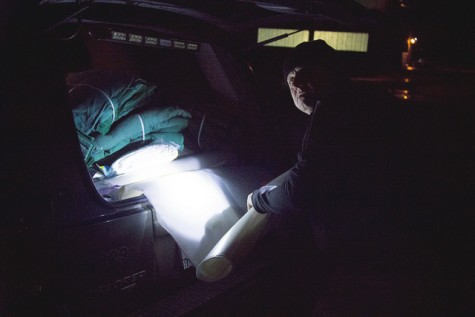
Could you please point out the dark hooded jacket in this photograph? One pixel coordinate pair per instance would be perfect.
(344, 171)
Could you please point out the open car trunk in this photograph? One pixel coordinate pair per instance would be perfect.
(167, 128)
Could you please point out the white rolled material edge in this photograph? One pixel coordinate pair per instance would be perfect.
(232, 247)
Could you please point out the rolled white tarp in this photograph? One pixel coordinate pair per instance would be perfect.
(232, 247)
(195, 210)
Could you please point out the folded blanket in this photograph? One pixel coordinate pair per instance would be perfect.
(162, 125)
(101, 98)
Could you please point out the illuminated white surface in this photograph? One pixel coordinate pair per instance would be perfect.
(145, 158)
(190, 163)
(344, 41)
(290, 41)
(193, 208)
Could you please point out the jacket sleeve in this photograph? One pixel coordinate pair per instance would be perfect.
(288, 196)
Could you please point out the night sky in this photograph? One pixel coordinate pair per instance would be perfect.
(446, 29)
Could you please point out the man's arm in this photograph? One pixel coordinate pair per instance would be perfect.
(285, 194)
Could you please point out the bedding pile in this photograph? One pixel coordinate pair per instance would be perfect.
(109, 114)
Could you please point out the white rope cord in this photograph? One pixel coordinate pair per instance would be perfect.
(143, 127)
(107, 97)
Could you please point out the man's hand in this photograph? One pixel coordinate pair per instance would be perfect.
(262, 190)
(249, 201)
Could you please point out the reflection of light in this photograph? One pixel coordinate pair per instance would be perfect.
(145, 158)
(193, 208)
(407, 80)
(195, 198)
(181, 164)
(411, 41)
(402, 94)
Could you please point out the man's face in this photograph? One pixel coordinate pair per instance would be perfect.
(302, 89)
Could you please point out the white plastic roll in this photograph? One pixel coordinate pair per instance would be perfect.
(232, 247)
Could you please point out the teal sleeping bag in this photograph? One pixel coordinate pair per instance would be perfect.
(160, 125)
(101, 98)
(108, 114)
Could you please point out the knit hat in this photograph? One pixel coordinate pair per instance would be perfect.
(309, 54)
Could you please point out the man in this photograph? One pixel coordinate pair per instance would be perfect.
(335, 201)
(339, 184)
